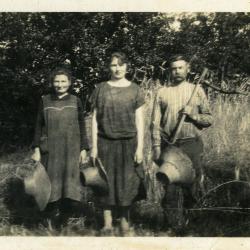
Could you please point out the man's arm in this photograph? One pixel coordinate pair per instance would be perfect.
(204, 117)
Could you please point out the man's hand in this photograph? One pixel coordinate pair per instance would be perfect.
(156, 152)
(188, 111)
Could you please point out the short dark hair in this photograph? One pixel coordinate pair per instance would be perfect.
(60, 71)
(177, 57)
(121, 56)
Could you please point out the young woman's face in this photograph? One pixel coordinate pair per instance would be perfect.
(61, 84)
(117, 68)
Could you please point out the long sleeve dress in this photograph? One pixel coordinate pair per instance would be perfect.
(60, 134)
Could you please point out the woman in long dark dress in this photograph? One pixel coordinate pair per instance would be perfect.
(58, 142)
(117, 132)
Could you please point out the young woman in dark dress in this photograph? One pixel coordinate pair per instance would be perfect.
(60, 143)
(117, 134)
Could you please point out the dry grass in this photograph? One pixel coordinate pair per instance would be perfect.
(227, 141)
(226, 148)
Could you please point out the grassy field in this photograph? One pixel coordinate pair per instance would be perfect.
(226, 158)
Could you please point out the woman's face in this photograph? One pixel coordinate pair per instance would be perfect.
(61, 84)
(117, 68)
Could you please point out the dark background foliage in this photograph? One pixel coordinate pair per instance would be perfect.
(32, 44)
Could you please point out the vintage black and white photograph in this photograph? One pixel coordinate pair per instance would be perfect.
(125, 124)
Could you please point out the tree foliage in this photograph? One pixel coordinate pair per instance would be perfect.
(32, 44)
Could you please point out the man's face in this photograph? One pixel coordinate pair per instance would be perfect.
(179, 70)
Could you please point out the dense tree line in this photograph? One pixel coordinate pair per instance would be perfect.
(32, 44)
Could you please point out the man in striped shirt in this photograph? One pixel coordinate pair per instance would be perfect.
(170, 102)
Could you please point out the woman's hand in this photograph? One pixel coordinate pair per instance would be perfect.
(140, 134)
(138, 156)
(36, 156)
(83, 157)
(156, 153)
(94, 152)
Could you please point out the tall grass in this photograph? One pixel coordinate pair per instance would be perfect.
(226, 149)
(153, 188)
(227, 142)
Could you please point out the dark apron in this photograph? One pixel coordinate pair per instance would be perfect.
(62, 163)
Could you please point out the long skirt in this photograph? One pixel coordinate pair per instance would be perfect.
(124, 175)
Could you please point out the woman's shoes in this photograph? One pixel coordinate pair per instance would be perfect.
(125, 228)
(128, 232)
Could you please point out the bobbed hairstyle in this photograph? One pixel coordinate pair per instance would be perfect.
(122, 57)
(59, 71)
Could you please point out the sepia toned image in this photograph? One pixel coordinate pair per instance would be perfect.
(125, 124)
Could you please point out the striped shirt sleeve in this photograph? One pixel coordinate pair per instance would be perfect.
(204, 117)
